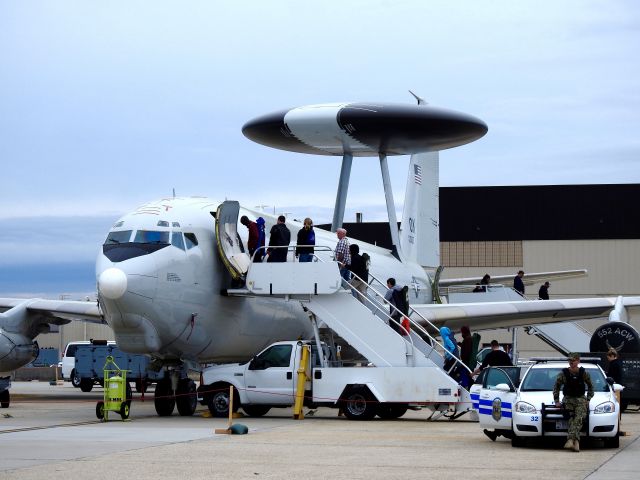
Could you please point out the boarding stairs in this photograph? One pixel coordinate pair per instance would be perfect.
(565, 337)
(364, 324)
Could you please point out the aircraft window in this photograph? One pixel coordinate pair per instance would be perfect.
(276, 356)
(176, 240)
(190, 239)
(118, 237)
(118, 224)
(150, 236)
(163, 223)
(176, 224)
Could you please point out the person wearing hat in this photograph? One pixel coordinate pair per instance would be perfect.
(543, 293)
(573, 380)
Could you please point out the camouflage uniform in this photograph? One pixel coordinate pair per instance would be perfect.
(578, 406)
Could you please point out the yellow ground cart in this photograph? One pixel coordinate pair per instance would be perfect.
(117, 392)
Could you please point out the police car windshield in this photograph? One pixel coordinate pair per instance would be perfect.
(543, 379)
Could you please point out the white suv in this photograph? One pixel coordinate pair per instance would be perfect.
(527, 410)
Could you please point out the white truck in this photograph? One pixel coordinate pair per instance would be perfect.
(271, 379)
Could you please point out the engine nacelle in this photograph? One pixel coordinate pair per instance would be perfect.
(16, 351)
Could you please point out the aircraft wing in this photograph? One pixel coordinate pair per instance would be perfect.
(488, 315)
(57, 312)
(527, 279)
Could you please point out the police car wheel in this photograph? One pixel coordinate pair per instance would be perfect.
(613, 442)
(517, 441)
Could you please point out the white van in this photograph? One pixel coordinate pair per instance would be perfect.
(68, 362)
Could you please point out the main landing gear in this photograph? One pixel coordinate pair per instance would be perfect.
(171, 392)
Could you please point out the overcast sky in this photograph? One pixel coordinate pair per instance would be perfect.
(106, 105)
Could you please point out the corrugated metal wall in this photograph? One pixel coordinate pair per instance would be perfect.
(613, 267)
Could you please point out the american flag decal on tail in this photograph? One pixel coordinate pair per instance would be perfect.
(417, 174)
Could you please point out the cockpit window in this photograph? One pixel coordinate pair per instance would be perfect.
(190, 239)
(118, 237)
(176, 240)
(150, 236)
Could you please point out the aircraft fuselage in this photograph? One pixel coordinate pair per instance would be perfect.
(160, 281)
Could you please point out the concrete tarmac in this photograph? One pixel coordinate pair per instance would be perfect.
(52, 432)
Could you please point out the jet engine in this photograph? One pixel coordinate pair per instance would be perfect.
(16, 350)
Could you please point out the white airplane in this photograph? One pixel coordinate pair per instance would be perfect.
(166, 269)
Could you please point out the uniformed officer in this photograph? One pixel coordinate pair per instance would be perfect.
(575, 380)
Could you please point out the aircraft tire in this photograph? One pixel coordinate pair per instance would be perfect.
(359, 404)
(256, 410)
(5, 399)
(164, 398)
(218, 400)
(75, 379)
(186, 398)
(86, 384)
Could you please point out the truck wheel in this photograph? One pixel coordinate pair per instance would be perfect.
(256, 410)
(100, 410)
(86, 384)
(5, 399)
(219, 400)
(186, 398)
(75, 379)
(164, 398)
(391, 411)
(124, 410)
(359, 404)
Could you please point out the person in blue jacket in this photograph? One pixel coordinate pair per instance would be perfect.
(450, 347)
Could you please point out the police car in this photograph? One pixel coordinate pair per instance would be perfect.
(525, 409)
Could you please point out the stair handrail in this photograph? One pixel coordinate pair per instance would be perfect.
(421, 328)
(380, 308)
(291, 247)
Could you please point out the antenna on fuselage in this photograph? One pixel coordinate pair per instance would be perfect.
(174, 193)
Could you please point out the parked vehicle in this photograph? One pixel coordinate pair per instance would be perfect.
(68, 362)
(527, 410)
(271, 379)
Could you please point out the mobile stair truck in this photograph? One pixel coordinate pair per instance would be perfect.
(400, 372)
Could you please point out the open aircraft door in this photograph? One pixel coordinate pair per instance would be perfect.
(497, 398)
(230, 247)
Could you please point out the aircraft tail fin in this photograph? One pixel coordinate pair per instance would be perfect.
(420, 227)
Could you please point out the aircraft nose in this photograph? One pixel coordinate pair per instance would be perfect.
(112, 283)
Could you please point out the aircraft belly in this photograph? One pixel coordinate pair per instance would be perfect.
(253, 323)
